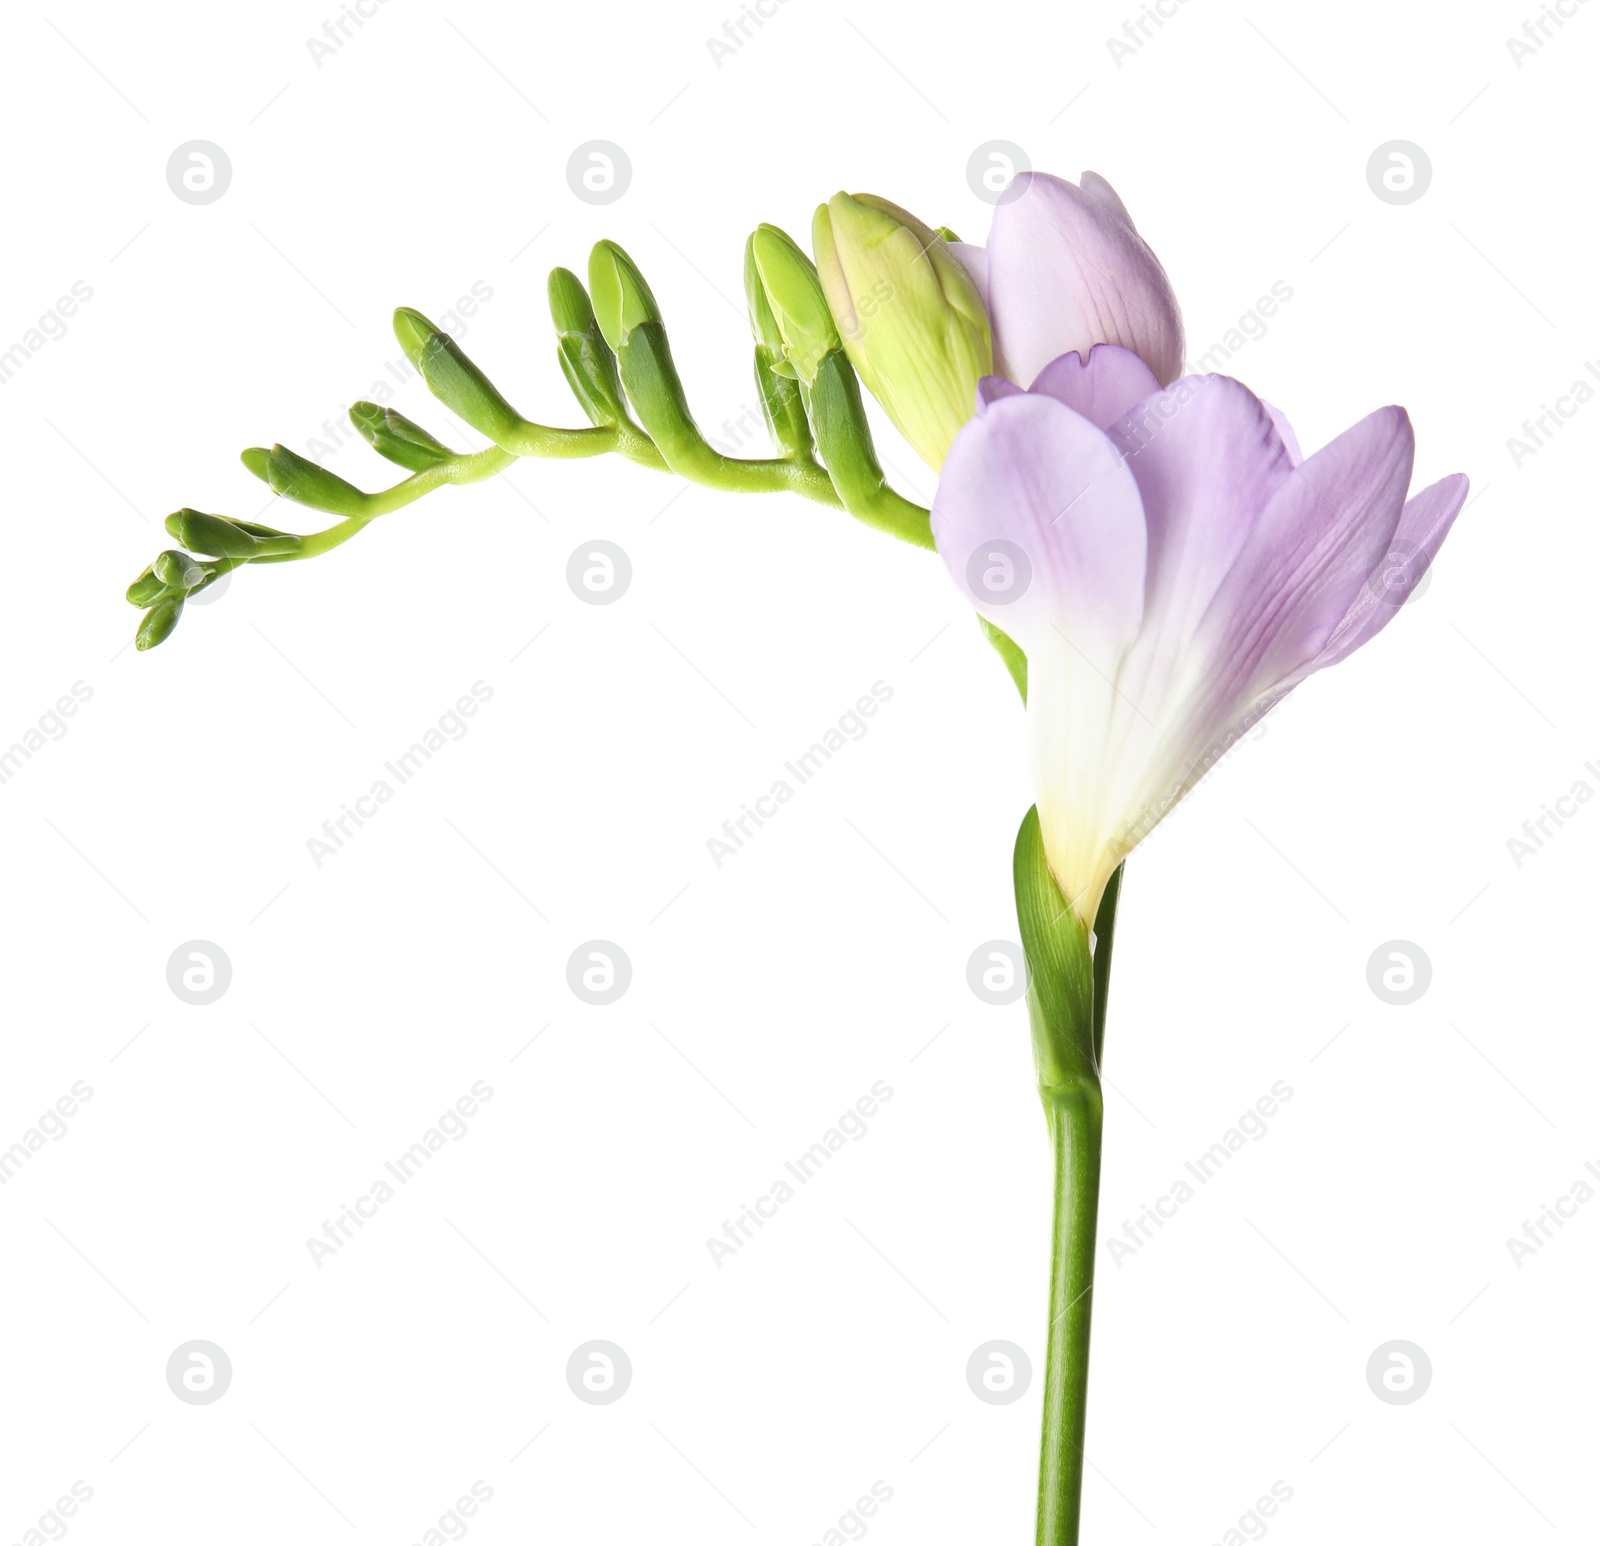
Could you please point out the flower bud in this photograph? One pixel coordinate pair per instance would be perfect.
(219, 538)
(622, 299)
(584, 355)
(148, 588)
(158, 623)
(570, 308)
(394, 436)
(289, 474)
(176, 572)
(796, 310)
(454, 379)
(913, 322)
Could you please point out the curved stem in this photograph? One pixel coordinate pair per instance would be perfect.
(1075, 1114)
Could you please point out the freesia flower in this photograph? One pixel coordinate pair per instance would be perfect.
(1063, 270)
(1172, 567)
(923, 318)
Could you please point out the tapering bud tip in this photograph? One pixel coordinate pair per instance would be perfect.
(394, 436)
(570, 309)
(415, 333)
(795, 298)
(621, 298)
(158, 623)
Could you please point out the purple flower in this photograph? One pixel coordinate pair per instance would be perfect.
(1172, 567)
(1064, 270)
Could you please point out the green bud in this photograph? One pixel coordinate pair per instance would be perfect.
(394, 436)
(798, 307)
(944, 233)
(569, 302)
(454, 379)
(158, 623)
(219, 538)
(622, 299)
(289, 474)
(782, 401)
(783, 406)
(585, 357)
(763, 325)
(912, 320)
(177, 572)
(147, 589)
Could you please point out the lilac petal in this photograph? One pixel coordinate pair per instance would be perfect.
(1039, 521)
(992, 388)
(1094, 186)
(1068, 271)
(1208, 462)
(1285, 432)
(1424, 524)
(1103, 387)
(1304, 564)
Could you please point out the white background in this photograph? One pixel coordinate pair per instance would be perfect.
(368, 994)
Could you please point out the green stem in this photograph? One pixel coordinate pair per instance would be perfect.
(1075, 1111)
(1075, 1114)
(1105, 926)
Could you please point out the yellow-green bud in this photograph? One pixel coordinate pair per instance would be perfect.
(912, 320)
(622, 300)
(779, 273)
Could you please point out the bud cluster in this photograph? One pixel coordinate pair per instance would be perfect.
(886, 302)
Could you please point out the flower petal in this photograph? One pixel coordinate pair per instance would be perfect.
(1039, 521)
(992, 388)
(1103, 387)
(1208, 461)
(1285, 432)
(1305, 561)
(1424, 524)
(1068, 271)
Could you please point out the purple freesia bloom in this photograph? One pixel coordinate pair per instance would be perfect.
(1064, 269)
(1172, 567)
